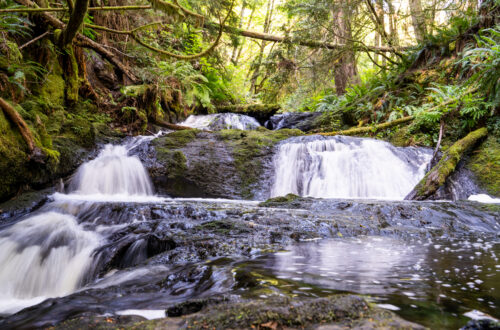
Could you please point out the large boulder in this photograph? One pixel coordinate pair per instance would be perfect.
(305, 121)
(225, 164)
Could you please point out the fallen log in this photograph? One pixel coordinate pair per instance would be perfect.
(36, 154)
(436, 177)
(370, 129)
(261, 112)
(171, 126)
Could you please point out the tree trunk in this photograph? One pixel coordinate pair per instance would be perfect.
(267, 27)
(240, 25)
(346, 71)
(437, 176)
(393, 27)
(249, 23)
(418, 19)
(36, 154)
(74, 23)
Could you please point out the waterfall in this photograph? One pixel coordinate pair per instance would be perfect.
(346, 167)
(220, 121)
(50, 254)
(46, 255)
(113, 172)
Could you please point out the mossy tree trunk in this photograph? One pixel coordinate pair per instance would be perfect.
(371, 129)
(65, 42)
(437, 176)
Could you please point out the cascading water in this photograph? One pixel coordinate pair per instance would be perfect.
(113, 172)
(50, 254)
(220, 121)
(43, 256)
(346, 167)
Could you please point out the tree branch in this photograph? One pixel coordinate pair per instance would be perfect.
(230, 30)
(74, 23)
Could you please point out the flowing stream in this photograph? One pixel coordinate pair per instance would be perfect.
(219, 121)
(346, 167)
(50, 253)
(110, 230)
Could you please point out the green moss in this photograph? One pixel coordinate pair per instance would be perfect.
(176, 140)
(51, 91)
(282, 312)
(485, 163)
(437, 176)
(280, 200)
(13, 158)
(72, 81)
(247, 147)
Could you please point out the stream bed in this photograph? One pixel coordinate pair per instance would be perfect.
(108, 250)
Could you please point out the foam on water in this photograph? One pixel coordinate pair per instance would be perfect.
(483, 198)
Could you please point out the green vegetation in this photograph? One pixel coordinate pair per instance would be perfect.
(76, 74)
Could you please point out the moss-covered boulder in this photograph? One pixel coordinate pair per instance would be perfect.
(335, 312)
(224, 164)
(485, 164)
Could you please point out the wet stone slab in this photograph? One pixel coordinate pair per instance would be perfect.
(417, 258)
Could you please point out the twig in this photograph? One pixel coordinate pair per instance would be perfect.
(35, 39)
(441, 129)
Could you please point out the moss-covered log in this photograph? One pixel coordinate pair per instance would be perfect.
(261, 112)
(371, 129)
(436, 177)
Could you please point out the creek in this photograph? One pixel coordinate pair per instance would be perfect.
(110, 246)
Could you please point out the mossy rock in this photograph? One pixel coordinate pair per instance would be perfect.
(485, 164)
(176, 140)
(248, 148)
(281, 201)
(13, 158)
(226, 164)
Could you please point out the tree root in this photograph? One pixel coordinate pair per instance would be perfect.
(36, 154)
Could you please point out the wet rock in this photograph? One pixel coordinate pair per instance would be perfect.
(481, 325)
(23, 204)
(226, 164)
(305, 121)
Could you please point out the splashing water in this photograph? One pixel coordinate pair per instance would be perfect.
(43, 256)
(345, 167)
(221, 121)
